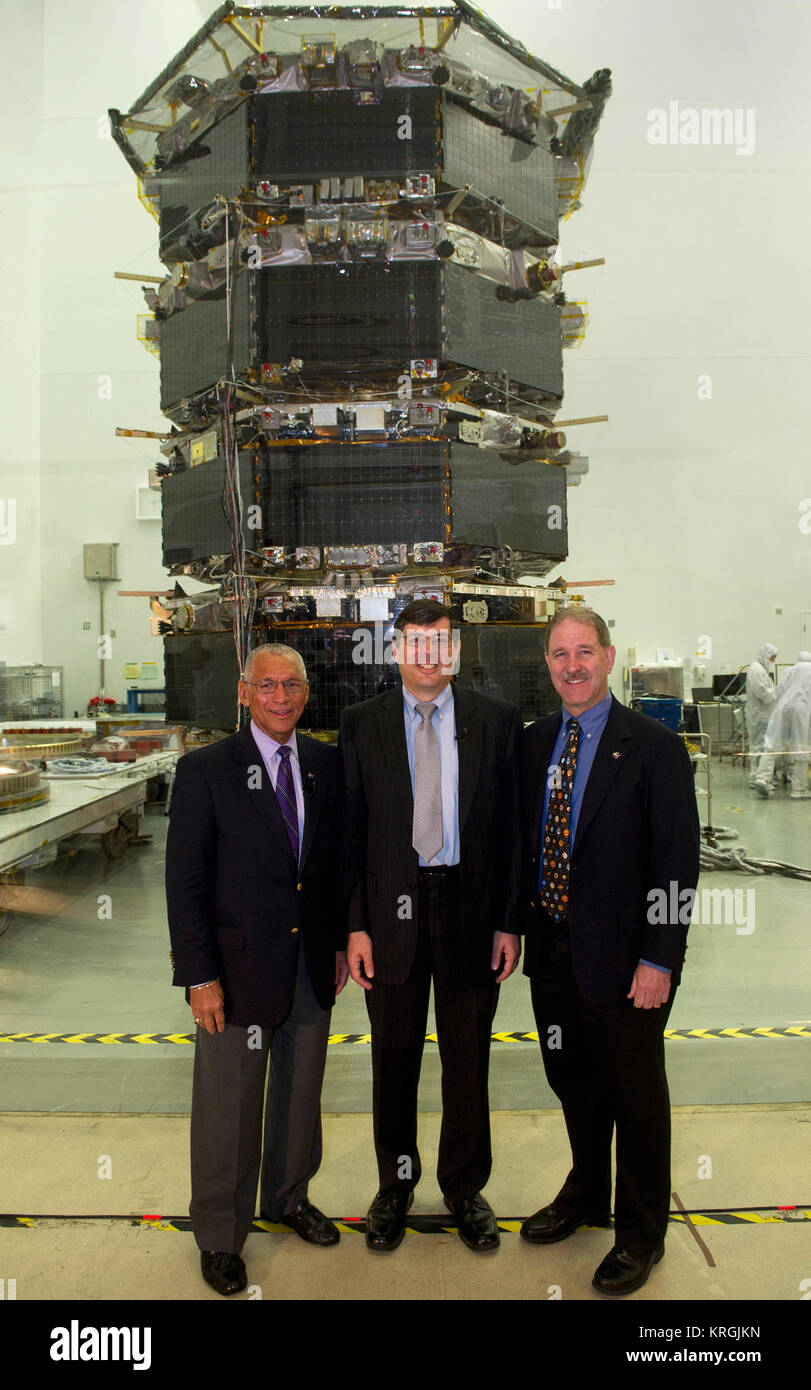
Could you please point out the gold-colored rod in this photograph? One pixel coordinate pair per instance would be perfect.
(128, 275)
(145, 125)
(447, 29)
(222, 54)
(139, 434)
(246, 38)
(564, 110)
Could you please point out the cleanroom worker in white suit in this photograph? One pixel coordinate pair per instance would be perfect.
(761, 693)
(789, 731)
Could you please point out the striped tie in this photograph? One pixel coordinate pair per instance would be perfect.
(286, 797)
(427, 836)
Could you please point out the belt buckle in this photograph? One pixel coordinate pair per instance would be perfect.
(441, 874)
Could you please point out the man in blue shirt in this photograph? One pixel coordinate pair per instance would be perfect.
(434, 869)
(614, 836)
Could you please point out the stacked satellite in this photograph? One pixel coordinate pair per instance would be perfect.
(360, 331)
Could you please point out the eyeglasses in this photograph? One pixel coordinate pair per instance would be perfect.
(267, 687)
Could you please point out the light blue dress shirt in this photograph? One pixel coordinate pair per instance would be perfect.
(443, 720)
(592, 724)
(269, 750)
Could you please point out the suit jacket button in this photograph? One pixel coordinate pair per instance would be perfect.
(293, 931)
(532, 902)
(534, 860)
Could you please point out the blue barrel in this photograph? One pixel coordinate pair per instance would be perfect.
(662, 707)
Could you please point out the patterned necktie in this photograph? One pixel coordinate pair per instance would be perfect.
(427, 836)
(286, 797)
(554, 892)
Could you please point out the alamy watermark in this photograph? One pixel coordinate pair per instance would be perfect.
(712, 125)
(387, 645)
(76, 1343)
(712, 907)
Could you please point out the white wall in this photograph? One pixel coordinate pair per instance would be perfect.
(692, 506)
(20, 117)
(95, 58)
(69, 217)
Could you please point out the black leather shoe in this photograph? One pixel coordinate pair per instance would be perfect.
(386, 1218)
(547, 1225)
(223, 1271)
(621, 1272)
(311, 1224)
(477, 1222)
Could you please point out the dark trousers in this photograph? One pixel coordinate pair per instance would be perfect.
(226, 1120)
(606, 1065)
(464, 1017)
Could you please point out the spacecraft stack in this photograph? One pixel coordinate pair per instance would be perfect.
(361, 332)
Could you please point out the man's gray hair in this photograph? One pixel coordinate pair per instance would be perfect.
(587, 616)
(274, 649)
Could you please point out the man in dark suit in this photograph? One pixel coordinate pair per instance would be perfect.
(434, 871)
(259, 944)
(606, 937)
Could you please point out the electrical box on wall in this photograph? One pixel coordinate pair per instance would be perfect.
(101, 561)
(147, 503)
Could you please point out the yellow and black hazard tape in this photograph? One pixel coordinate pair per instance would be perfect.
(358, 1039)
(88, 1038)
(426, 1225)
(797, 1030)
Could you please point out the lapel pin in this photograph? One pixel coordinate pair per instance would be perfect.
(616, 755)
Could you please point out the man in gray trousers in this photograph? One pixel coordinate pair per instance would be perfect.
(259, 944)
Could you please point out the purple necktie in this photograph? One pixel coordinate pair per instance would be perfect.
(286, 796)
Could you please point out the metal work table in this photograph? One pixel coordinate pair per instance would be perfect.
(81, 806)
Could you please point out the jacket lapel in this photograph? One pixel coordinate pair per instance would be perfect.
(253, 777)
(468, 743)
(548, 733)
(612, 751)
(312, 798)
(391, 726)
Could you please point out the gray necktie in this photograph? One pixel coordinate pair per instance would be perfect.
(427, 836)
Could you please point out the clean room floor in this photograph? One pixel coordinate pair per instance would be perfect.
(741, 1105)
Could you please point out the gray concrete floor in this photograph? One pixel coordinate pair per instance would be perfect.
(108, 1258)
(743, 1101)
